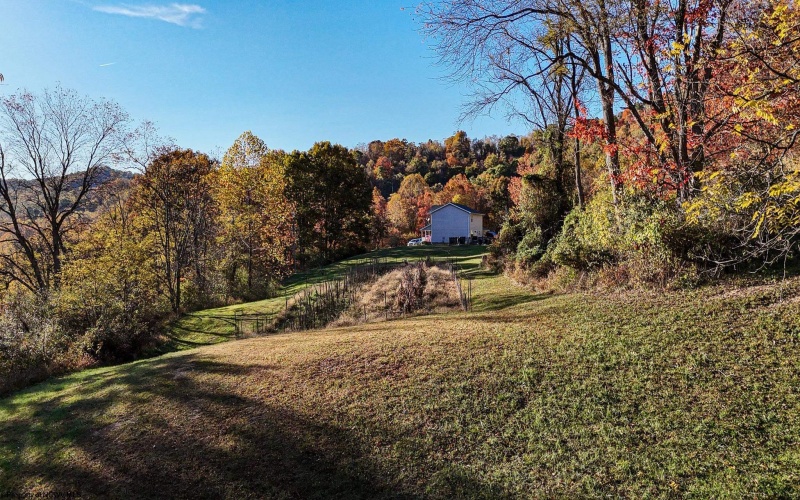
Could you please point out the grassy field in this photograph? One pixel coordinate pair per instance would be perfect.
(213, 326)
(687, 394)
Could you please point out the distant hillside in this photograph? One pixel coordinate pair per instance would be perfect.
(108, 184)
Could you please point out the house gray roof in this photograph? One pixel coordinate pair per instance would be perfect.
(457, 205)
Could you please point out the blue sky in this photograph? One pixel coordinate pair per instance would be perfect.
(293, 72)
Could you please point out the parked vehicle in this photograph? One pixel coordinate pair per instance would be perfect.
(415, 242)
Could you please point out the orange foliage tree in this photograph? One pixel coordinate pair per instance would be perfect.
(460, 190)
(408, 207)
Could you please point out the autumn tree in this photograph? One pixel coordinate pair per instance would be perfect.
(55, 144)
(255, 221)
(331, 197)
(457, 150)
(396, 150)
(406, 208)
(460, 190)
(173, 197)
(383, 169)
(664, 81)
(110, 292)
(417, 165)
(380, 222)
(750, 201)
(432, 150)
(374, 150)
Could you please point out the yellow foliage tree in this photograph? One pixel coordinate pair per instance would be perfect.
(255, 221)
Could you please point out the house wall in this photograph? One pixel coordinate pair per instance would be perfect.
(476, 224)
(449, 222)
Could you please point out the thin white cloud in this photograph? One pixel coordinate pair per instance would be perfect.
(182, 14)
(107, 64)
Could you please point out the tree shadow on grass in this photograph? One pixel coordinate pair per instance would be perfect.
(499, 302)
(478, 273)
(194, 330)
(192, 427)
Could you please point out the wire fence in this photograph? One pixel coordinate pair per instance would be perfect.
(464, 292)
(319, 305)
(250, 325)
(322, 303)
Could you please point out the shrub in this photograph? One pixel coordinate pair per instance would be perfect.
(507, 240)
(639, 242)
(411, 288)
(532, 246)
(747, 215)
(587, 238)
(534, 223)
(111, 308)
(33, 345)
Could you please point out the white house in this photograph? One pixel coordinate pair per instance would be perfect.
(452, 221)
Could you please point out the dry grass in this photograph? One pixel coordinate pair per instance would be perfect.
(384, 298)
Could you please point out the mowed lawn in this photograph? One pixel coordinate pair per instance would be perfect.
(684, 394)
(213, 326)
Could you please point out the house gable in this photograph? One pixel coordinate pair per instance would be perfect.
(465, 208)
(454, 221)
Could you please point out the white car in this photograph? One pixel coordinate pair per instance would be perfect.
(415, 242)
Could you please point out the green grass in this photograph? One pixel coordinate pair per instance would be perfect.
(212, 326)
(690, 394)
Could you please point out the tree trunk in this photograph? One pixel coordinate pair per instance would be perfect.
(250, 267)
(578, 183)
(611, 149)
(176, 305)
(56, 255)
(607, 100)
